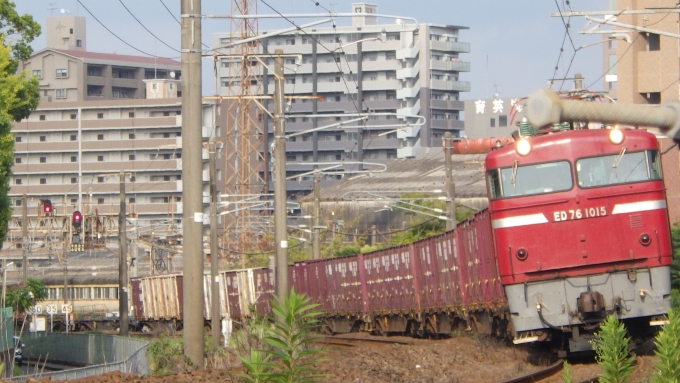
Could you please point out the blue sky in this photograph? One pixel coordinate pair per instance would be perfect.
(514, 44)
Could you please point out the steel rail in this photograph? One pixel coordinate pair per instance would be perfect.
(538, 375)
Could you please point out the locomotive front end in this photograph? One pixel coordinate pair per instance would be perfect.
(581, 232)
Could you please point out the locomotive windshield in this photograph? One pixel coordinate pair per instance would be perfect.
(532, 179)
(618, 168)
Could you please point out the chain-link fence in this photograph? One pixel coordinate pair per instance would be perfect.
(100, 353)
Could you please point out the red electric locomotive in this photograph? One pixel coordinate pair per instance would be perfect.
(581, 231)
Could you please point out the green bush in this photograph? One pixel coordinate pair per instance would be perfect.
(668, 350)
(611, 352)
(291, 357)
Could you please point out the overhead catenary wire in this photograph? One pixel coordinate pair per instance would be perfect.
(617, 61)
(144, 26)
(118, 37)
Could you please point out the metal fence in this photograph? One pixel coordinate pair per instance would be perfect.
(100, 353)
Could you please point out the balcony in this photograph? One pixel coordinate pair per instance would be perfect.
(409, 72)
(45, 147)
(409, 111)
(380, 65)
(447, 124)
(447, 104)
(408, 53)
(125, 83)
(381, 84)
(44, 126)
(133, 123)
(108, 145)
(409, 92)
(381, 143)
(460, 86)
(63, 167)
(450, 46)
(447, 65)
(376, 46)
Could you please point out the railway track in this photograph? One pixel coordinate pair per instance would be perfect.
(540, 375)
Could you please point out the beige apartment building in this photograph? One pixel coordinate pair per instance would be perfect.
(648, 68)
(68, 72)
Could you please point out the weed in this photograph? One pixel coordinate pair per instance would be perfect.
(566, 372)
(611, 352)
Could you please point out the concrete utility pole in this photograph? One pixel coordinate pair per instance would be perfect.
(24, 236)
(122, 260)
(215, 314)
(450, 185)
(66, 294)
(316, 219)
(280, 231)
(192, 183)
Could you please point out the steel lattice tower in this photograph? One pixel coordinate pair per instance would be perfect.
(245, 172)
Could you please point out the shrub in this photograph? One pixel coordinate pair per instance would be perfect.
(611, 352)
(668, 350)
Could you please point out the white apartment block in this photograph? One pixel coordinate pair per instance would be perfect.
(415, 71)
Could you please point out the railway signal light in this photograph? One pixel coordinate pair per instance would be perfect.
(47, 206)
(77, 219)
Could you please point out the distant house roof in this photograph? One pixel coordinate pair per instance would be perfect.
(112, 57)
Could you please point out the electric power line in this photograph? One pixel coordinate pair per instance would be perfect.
(144, 26)
(614, 65)
(116, 36)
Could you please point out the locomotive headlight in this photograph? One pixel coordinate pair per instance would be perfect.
(523, 147)
(522, 254)
(645, 239)
(616, 136)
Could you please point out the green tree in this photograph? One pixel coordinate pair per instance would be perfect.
(20, 298)
(18, 31)
(611, 352)
(19, 94)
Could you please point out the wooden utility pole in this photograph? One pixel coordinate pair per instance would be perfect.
(192, 183)
(122, 260)
(280, 230)
(450, 185)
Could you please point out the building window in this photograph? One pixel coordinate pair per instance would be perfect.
(61, 93)
(37, 73)
(133, 178)
(100, 158)
(132, 114)
(62, 73)
(43, 160)
(653, 97)
(18, 203)
(290, 41)
(74, 158)
(100, 115)
(100, 200)
(166, 135)
(17, 160)
(100, 137)
(74, 116)
(502, 121)
(74, 137)
(17, 138)
(492, 123)
(653, 42)
(132, 200)
(288, 158)
(131, 157)
(43, 138)
(43, 181)
(166, 114)
(79, 43)
(18, 181)
(74, 180)
(100, 180)
(166, 178)
(167, 156)
(42, 117)
(131, 136)
(74, 200)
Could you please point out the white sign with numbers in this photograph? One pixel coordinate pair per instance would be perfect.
(35, 309)
(51, 309)
(66, 308)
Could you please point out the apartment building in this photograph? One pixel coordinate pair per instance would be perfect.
(647, 67)
(401, 69)
(494, 117)
(72, 153)
(68, 72)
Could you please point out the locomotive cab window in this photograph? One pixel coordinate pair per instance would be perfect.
(618, 168)
(520, 180)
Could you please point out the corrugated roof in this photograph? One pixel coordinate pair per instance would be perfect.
(121, 58)
(425, 174)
